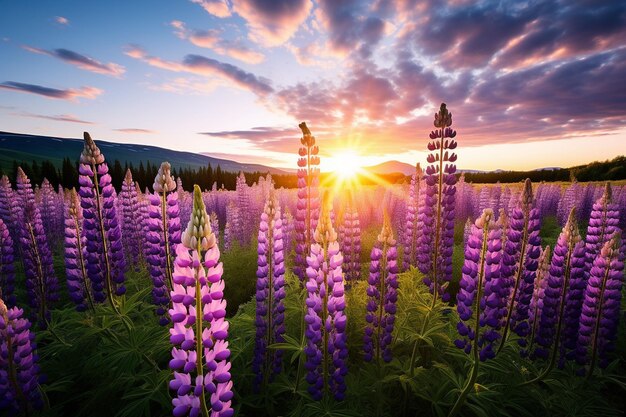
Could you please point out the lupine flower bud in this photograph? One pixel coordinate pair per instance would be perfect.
(19, 372)
(326, 350)
(200, 354)
(382, 295)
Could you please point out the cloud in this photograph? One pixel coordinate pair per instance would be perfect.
(218, 8)
(212, 39)
(198, 64)
(189, 86)
(68, 94)
(80, 61)
(274, 22)
(58, 118)
(272, 139)
(62, 20)
(135, 130)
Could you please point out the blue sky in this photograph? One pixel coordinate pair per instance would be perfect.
(530, 84)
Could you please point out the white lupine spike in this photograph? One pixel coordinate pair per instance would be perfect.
(163, 182)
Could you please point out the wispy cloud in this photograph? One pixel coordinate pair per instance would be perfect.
(81, 61)
(62, 20)
(135, 130)
(58, 118)
(198, 64)
(71, 94)
(218, 8)
(213, 39)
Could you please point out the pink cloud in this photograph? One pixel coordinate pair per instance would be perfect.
(62, 20)
(67, 94)
(212, 39)
(135, 130)
(218, 8)
(58, 118)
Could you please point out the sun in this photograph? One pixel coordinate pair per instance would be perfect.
(346, 165)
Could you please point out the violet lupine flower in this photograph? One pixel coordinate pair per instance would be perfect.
(19, 372)
(163, 237)
(200, 353)
(437, 240)
(519, 265)
(48, 209)
(270, 292)
(41, 283)
(351, 244)
(481, 290)
(6, 197)
(105, 251)
(603, 223)
(412, 228)
(131, 221)
(539, 291)
(75, 255)
(7, 266)
(242, 227)
(383, 294)
(307, 212)
(601, 307)
(326, 350)
(558, 302)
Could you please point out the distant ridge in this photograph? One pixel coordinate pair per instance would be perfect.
(23, 147)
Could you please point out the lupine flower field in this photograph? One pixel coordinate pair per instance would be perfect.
(434, 296)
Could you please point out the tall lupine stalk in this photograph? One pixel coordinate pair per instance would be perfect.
(200, 354)
(413, 229)
(539, 292)
(242, 228)
(382, 295)
(307, 212)
(519, 265)
(437, 240)
(105, 251)
(75, 255)
(601, 307)
(19, 372)
(131, 221)
(480, 298)
(270, 292)
(7, 266)
(163, 237)
(6, 196)
(50, 215)
(41, 282)
(603, 223)
(561, 299)
(351, 244)
(326, 350)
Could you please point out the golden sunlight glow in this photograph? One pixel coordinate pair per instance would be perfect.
(346, 164)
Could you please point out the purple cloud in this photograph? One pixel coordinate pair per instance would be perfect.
(135, 130)
(68, 94)
(81, 61)
(58, 118)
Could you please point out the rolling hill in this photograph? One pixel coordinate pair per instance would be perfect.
(23, 147)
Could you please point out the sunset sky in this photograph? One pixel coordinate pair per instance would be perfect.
(529, 83)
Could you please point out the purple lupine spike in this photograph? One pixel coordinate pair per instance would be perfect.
(48, 210)
(412, 228)
(199, 332)
(351, 244)
(481, 290)
(75, 255)
(19, 372)
(519, 265)
(41, 282)
(215, 225)
(383, 294)
(563, 272)
(437, 240)
(539, 291)
(242, 228)
(132, 228)
(105, 251)
(163, 237)
(270, 292)
(307, 212)
(603, 223)
(568, 201)
(7, 267)
(601, 307)
(6, 196)
(326, 350)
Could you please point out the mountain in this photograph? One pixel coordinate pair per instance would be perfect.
(391, 167)
(28, 148)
